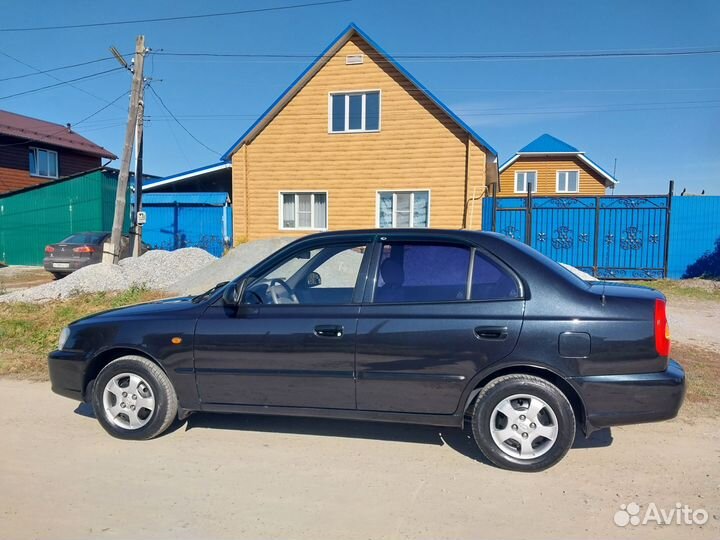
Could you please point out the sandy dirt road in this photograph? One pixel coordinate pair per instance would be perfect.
(256, 477)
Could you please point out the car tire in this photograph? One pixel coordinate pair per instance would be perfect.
(523, 423)
(58, 275)
(133, 399)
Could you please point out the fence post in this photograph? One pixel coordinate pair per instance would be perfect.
(494, 206)
(596, 236)
(528, 215)
(671, 192)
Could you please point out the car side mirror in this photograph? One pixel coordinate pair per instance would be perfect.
(313, 279)
(234, 292)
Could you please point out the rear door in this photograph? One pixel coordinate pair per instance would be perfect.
(434, 315)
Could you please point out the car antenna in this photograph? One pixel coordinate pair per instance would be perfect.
(602, 297)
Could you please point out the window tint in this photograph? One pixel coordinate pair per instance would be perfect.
(490, 281)
(422, 272)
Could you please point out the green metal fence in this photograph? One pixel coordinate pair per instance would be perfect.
(42, 215)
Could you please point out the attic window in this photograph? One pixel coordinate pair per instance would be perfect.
(43, 163)
(354, 112)
(353, 59)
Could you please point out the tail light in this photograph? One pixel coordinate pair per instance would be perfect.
(662, 329)
(49, 249)
(84, 249)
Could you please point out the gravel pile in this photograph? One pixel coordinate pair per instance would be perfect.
(154, 270)
(234, 263)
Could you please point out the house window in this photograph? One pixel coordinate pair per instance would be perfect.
(521, 181)
(568, 181)
(403, 209)
(354, 112)
(43, 163)
(303, 211)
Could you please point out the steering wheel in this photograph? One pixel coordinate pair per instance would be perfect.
(274, 294)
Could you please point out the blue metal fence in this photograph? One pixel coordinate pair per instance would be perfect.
(178, 220)
(613, 236)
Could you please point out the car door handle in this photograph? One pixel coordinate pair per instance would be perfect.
(329, 330)
(491, 332)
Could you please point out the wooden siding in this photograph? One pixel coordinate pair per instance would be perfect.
(418, 148)
(15, 164)
(591, 183)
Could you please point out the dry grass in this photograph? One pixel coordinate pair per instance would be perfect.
(696, 289)
(29, 331)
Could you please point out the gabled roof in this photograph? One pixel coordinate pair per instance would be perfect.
(187, 174)
(40, 131)
(315, 66)
(547, 145)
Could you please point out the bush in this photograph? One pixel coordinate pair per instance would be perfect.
(707, 266)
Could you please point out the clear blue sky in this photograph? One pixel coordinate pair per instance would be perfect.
(590, 103)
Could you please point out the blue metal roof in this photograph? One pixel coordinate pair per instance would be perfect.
(343, 37)
(546, 143)
(205, 199)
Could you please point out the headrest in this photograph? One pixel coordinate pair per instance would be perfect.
(392, 272)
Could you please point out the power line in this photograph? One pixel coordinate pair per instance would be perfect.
(61, 83)
(45, 71)
(558, 55)
(168, 19)
(180, 123)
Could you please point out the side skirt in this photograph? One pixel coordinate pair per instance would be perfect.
(444, 420)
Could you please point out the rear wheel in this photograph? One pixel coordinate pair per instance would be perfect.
(58, 275)
(523, 423)
(134, 399)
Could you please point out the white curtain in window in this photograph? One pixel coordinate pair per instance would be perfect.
(320, 210)
(420, 209)
(402, 212)
(304, 210)
(386, 210)
(288, 210)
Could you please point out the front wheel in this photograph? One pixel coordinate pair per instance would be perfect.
(523, 423)
(134, 399)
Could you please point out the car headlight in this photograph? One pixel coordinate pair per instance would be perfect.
(64, 335)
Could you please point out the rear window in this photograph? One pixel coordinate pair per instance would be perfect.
(417, 272)
(490, 281)
(84, 238)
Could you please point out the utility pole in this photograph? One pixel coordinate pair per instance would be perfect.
(121, 194)
(137, 237)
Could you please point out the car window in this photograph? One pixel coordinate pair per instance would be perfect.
(490, 281)
(422, 272)
(320, 276)
(84, 238)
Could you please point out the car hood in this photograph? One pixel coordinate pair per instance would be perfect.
(150, 309)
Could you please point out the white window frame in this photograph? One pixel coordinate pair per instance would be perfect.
(412, 206)
(557, 181)
(347, 94)
(524, 190)
(35, 149)
(312, 211)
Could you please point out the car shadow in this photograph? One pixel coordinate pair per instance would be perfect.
(460, 440)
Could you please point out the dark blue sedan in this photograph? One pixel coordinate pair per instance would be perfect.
(419, 326)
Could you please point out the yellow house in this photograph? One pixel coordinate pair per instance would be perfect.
(554, 168)
(357, 142)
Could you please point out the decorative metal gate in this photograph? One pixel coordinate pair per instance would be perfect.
(611, 236)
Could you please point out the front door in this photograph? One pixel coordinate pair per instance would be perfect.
(439, 313)
(292, 344)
